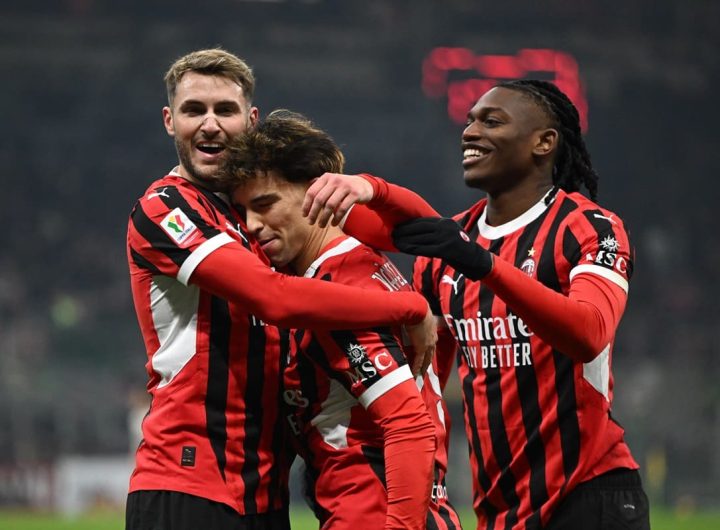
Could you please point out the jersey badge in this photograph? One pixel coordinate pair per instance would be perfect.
(179, 226)
(528, 267)
(610, 244)
(356, 354)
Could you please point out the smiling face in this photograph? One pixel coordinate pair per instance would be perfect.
(273, 208)
(207, 111)
(507, 140)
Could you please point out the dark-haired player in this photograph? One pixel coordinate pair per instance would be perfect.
(374, 457)
(532, 282)
(208, 304)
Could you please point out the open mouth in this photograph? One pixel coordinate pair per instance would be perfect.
(211, 148)
(474, 154)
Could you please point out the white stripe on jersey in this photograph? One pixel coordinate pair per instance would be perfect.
(346, 246)
(600, 271)
(174, 313)
(334, 417)
(597, 372)
(199, 254)
(384, 384)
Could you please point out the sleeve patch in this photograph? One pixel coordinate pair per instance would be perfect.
(179, 227)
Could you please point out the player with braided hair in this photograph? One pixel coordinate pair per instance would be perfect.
(530, 282)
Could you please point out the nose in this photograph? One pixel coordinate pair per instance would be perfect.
(254, 223)
(471, 131)
(210, 125)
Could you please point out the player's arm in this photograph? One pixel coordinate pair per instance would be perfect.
(211, 257)
(369, 205)
(233, 273)
(409, 450)
(382, 383)
(580, 324)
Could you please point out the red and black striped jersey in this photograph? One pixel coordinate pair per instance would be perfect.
(538, 423)
(212, 428)
(331, 379)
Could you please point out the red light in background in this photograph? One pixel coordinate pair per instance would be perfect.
(462, 94)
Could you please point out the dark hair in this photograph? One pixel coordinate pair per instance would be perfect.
(286, 142)
(573, 167)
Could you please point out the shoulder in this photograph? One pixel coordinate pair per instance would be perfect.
(469, 217)
(353, 263)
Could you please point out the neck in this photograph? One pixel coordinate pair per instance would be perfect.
(316, 242)
(507, 205)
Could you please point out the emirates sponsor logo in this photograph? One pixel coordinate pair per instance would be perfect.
(469, 332)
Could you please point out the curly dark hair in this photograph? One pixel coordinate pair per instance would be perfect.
(573, 167)
(286, 142)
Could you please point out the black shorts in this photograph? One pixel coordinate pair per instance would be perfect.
(612, 501)
(172, 510)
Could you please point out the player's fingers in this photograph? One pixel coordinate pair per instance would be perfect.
(427, 359)
(342, 210)
(318, 206)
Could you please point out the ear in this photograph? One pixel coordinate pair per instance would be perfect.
(253, 115)
(545, 142)
(168, 121)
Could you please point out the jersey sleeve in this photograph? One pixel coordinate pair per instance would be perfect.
(368, 363)
(180, 235)
(581, 323)
(391, 204)
(595, 242)
(172, 230)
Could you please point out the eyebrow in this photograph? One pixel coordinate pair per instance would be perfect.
(191, 102)
(263, 197)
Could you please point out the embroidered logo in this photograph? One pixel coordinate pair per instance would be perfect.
(610, 244)
(356, 353)
(178, 226)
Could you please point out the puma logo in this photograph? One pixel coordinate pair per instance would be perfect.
(598, 216)
(160, 193)
(454, 283)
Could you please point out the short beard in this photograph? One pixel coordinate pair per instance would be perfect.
(208, 181)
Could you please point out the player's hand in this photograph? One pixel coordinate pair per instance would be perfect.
(423, 338)
(440, 237)
(331, 195)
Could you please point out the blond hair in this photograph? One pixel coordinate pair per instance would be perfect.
(213, 61)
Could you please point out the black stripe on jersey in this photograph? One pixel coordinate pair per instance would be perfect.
(430, 523)
(217, 385)
(496, 420)
(142, 262)
(386, 336)
(345, 339)
(307, 374)
(252, 428)
(526, 379)
(157, 237)
(564, 366)
(175, 199)
(571, 247)
(457, 302)
(376, 460)
(426, 288)
(280, 441)
(446, 516)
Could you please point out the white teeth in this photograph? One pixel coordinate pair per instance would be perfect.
(467, 153)
(210, 144)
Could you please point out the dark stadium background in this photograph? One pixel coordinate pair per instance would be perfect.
(81, 97)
